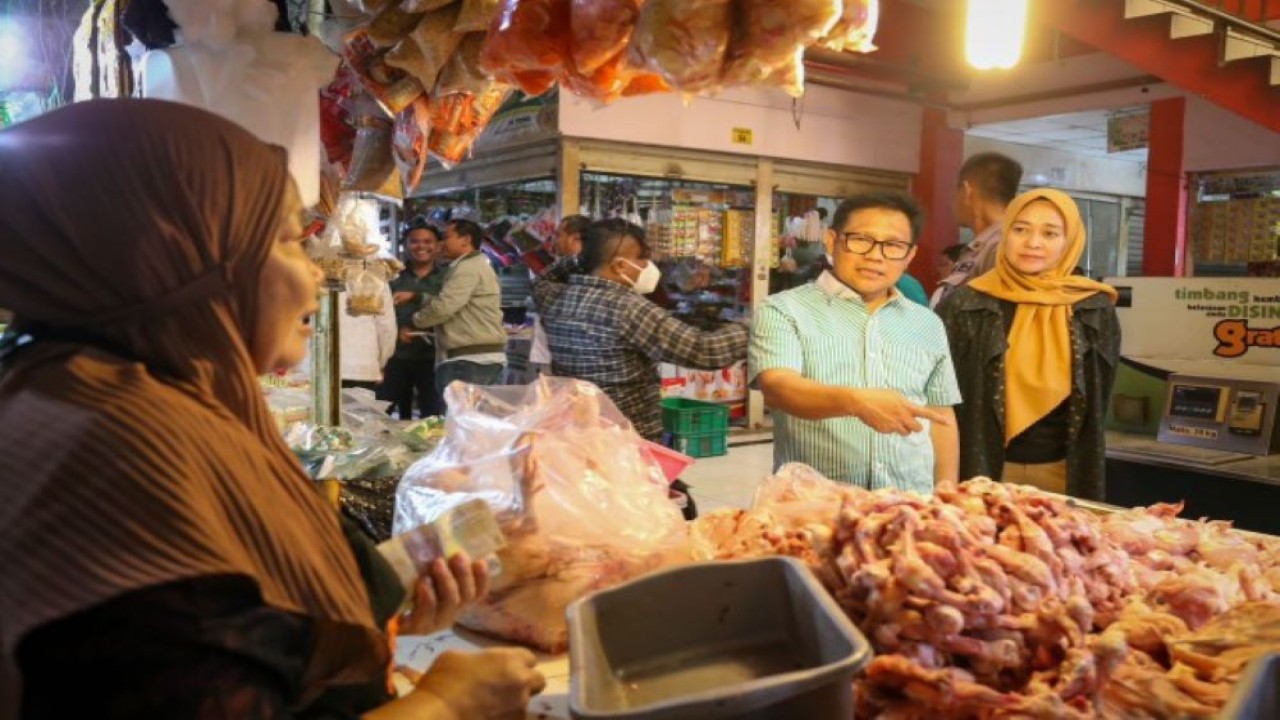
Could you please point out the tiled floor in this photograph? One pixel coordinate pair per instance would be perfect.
(729, 480)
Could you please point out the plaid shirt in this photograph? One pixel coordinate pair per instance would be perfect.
(603, 332)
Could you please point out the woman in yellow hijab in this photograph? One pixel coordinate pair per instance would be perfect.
(1035, 348)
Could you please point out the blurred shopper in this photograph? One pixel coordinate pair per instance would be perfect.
(471, 343)
(411, 373)
(567, 244)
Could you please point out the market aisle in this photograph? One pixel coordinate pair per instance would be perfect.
(730, 480)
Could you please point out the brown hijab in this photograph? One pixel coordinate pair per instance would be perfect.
(147, 224)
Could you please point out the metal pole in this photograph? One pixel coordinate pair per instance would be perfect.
(761, 266)
(326, 366)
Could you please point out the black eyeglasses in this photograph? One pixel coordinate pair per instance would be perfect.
(860, 244)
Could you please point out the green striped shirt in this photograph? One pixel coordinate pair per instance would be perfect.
(824, 331)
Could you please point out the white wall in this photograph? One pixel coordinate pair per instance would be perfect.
(836, 127)
(1217, 139)
(1067, 171)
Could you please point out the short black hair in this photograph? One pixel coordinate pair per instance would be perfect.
(575, 224)
(899, 201)
(995, 176)
(420, 222)
(468, 229)
(601, 240)
(953, 252)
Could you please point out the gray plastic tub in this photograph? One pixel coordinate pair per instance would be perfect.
(751, 639)
(1257, 695)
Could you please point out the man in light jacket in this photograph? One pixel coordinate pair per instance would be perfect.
(471, 344)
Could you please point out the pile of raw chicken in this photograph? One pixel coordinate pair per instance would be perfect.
(996, 601)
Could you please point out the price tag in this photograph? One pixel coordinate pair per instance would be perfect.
(742, 136)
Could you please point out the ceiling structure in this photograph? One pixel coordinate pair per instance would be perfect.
(1079, 133)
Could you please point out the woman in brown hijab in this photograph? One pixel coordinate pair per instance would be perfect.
(164, 555)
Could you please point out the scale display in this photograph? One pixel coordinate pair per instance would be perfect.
(1220, 414)
(1196, 401)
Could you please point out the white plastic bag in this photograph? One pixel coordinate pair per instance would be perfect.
(582, 505)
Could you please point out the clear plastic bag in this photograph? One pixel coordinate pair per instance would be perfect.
(582, 505)
(684, 41)
(366, 291)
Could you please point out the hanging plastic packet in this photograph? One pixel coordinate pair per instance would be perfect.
(469, 528)
(856, 28)
(476, 15)
(684, 41)
(528, 43)
(366, 290)
(767, 34)
(373, 166)
(427, 49)
(600, 30)
(391, 25)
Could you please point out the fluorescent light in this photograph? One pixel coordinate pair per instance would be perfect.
(994, 32)
(13, 52)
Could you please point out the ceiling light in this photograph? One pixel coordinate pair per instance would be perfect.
(994, 32)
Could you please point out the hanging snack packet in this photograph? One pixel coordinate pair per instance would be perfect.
(527, 36)
(856, 28)
(767, 34)
(391, 25)
(600, 30)
(426, 50)
(462, 74)
(476, 16)
(684, 41)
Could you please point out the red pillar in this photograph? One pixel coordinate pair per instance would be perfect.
(941, 154)
(1164, 246)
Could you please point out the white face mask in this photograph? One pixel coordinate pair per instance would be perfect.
(647, 281)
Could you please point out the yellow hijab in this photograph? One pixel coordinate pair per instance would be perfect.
(1037, 365)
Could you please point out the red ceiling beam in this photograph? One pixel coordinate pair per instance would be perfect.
(1190, 63)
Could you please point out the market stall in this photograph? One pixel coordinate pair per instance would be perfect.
(1192, 414)
(984, 598)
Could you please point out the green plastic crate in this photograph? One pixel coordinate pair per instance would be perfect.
(693, 417)
(700, 445)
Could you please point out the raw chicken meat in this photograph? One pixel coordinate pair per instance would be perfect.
(989, 600)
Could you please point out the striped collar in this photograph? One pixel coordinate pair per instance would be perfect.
(831, 285)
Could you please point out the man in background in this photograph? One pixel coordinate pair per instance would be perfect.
(471, 344)
(986, 185)
(412, 370)
(566, 244)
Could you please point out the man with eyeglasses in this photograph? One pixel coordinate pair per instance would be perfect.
(860, 378)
